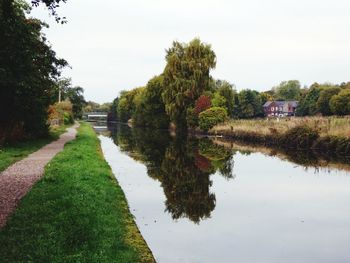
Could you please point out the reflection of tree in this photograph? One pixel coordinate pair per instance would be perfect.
(185, 185)
(220, 158)
(182, 165)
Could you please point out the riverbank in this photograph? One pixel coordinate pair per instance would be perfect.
(76, 213)
(329, 135)
(12, 153)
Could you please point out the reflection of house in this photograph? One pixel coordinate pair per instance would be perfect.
(280, 108)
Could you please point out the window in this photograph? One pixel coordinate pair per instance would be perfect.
(272, 108)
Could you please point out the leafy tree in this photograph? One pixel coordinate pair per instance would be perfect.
(218, 100)
(307, 103)
(288, 90)
(250, 105)
(112, 116)
(323, 101)
(28, 71)
(126, 105)
(227, 91)
(186, 77)
(340, 104)
(75, 96)
(52, 5)
(149, 107)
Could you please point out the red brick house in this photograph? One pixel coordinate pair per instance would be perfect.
(280, 108)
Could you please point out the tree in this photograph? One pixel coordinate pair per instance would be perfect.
(28, 71)
(323, 101)
(227, 91)
(218, 100)
(149, 107)
(307, 104)
(250, 105)
(64, 90)
(75, 96)
(186, 76)
(340, 104)
(51, 5)
(288, 90)
(126, 105)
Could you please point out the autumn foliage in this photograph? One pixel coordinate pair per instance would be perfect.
(202, 104)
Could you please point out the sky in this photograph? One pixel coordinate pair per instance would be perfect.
(115, 45)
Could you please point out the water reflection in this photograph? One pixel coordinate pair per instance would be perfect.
(277, 210)
(183, 165)
(306, 159)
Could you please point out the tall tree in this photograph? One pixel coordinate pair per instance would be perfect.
(76, 97)
(186, 76)
(288, 90)
(149, 107)
(340, 103)
(226, 90)
(28, 71)
(307, 104)
(250, 105)
(323, 101)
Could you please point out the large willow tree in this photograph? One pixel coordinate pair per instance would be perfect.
(186, 77)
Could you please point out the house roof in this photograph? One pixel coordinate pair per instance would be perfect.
(267, 103)
(279, 103)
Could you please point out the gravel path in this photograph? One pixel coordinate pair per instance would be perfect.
(19, 178)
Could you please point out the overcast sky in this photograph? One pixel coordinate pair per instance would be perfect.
(113, 45)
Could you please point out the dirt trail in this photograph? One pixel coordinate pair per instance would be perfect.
(19, 178)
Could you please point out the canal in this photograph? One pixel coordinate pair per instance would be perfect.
(198, 200)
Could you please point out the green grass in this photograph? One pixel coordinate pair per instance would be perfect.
(76, 213)
(12, 153)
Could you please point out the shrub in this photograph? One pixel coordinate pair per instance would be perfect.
(300, 137)
(203, 103)
(67, 118)
(62, 112)
(212, 116)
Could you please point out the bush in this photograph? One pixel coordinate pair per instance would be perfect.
(67, 118)
(203, 103)
(212, 116)
(300, 137)
(62, 112)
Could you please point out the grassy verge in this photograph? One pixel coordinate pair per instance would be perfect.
(12, 153)
(323, 134)
(76, 213)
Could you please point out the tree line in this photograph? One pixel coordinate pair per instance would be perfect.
(29, 73)
(186, 95)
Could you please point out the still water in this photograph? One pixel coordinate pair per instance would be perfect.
(198, 201)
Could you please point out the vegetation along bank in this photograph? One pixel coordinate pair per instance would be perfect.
(186, 97)
(330, 135)
(76, 213)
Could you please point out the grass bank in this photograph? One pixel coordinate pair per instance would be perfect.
(324, 134)
(76, 213)
(12, 153)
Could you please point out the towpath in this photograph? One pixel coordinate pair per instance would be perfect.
(19, 178)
